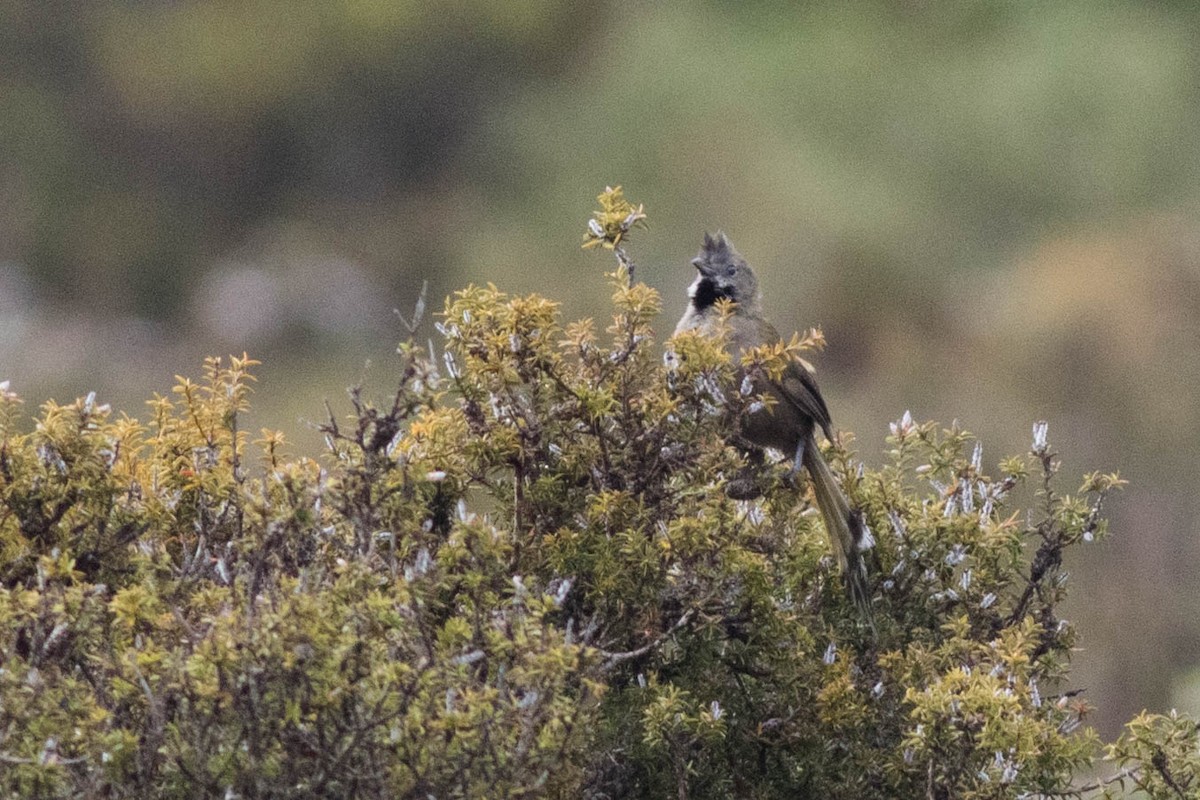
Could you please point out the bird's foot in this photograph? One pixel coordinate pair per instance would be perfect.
(795, 479)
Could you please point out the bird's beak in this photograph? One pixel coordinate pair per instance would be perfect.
(698, 263)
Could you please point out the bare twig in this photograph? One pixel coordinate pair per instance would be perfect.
(612, 659)
(1159, 762)
(624, 260)
(412, 323)
(1125, 773)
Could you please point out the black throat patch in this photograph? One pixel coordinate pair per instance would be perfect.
(708, 293)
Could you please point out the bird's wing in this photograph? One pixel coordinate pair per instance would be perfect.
(799, 388)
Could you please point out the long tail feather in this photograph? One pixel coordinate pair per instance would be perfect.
(845, 529)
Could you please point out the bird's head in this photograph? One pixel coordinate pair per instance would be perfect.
(724, 275)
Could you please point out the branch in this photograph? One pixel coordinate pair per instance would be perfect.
(1159, 762)
(624, 260)
(414, 322)
(1098, 784)
(612, 659)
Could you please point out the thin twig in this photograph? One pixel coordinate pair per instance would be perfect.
(1126, 773)
(414, 322)
(612, 659)
(624, 260)
(1159, 762)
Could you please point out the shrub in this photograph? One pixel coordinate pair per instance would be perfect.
(521, 577)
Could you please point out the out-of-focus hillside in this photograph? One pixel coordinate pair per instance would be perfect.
(990, 207)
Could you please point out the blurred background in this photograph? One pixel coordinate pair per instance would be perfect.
(990, 207)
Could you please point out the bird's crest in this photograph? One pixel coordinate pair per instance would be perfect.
(716, 244)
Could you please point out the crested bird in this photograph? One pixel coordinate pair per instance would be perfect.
(789, 424)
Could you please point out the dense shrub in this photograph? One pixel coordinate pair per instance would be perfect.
(521, 577)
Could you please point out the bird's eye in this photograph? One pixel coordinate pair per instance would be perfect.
(731, 271)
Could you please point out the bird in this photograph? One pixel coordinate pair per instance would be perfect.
(789, 424)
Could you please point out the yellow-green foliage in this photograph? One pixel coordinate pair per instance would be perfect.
(521, 576)
(175, 622)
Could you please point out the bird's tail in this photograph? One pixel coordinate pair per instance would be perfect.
(847, 535)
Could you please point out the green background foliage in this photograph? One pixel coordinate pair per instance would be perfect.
(989, 206)
(520, 576)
